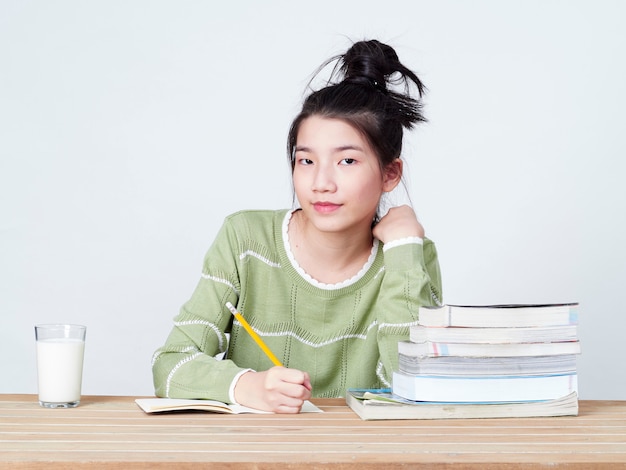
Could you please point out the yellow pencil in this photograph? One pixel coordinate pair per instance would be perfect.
(252, 333)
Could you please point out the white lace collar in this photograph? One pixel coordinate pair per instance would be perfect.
(310, 279)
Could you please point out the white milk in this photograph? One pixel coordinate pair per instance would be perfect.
(60, 369)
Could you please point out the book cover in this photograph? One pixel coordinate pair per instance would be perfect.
(383, 405)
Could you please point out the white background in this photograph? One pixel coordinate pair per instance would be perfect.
(129, 129)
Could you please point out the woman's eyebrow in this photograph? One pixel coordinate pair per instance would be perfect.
(341, 148)
(349, 147)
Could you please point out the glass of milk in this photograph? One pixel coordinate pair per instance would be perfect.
(60, 351)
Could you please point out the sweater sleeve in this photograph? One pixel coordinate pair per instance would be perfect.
(186, 366)
(412, 279)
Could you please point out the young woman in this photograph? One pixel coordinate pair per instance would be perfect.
(331, 286)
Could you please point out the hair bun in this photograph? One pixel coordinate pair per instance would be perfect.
(376, 63)
(370, 61)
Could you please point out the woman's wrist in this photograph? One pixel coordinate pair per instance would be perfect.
(403, 241)
(232, 395)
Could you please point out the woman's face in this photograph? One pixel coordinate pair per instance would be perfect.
(337, 177)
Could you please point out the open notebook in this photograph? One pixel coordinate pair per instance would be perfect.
(158, 405)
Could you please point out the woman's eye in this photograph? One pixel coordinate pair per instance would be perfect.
(348, 161)
(305, 161)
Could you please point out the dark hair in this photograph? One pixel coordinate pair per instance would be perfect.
(363, 98)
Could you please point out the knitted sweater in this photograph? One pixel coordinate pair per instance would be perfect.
(344, 335)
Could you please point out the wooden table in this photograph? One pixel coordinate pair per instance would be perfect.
(113, 433)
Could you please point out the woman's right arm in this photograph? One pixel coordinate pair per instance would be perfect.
(185, 366)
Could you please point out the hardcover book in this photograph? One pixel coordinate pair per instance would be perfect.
(491, 316)
(491, 388)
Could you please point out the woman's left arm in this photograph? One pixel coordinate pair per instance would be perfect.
(412, 279)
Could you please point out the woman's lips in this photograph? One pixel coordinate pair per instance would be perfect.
(325, 207)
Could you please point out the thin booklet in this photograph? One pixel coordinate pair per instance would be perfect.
(379, 404)
(160, 405)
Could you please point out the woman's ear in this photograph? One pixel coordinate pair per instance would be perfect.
(392, 174)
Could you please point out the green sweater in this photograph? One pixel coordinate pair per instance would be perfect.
(342, 335)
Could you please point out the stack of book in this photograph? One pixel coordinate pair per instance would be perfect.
(490, 354)
(490, 361)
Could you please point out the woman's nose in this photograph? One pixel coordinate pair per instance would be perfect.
(324, 180)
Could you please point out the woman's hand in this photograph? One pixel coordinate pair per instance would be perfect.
(278, 389)
(400, 222)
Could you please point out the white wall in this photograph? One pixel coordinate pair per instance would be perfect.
(128, 130)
